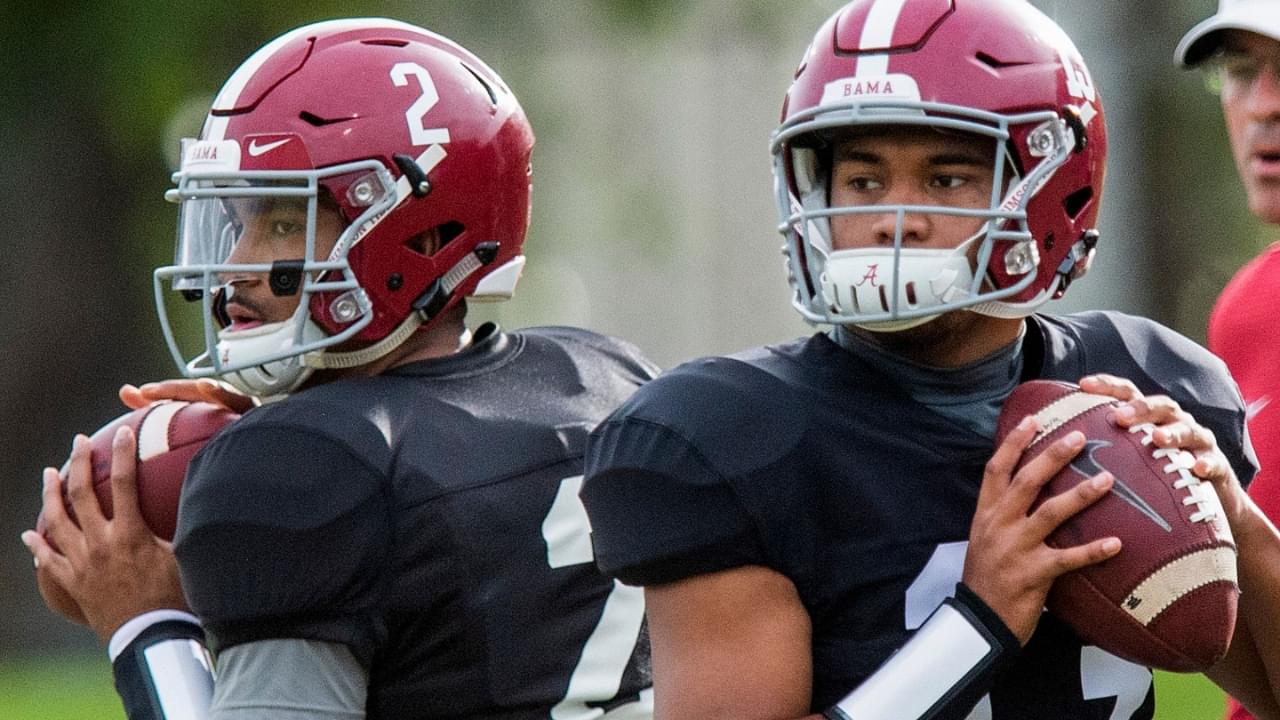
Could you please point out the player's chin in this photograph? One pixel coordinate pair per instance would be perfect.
(932, 334)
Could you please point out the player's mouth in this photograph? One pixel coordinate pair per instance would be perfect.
(242, 317)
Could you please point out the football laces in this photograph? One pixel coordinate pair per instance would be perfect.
(1180, 462)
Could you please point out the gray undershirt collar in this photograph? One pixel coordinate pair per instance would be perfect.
(970, 395)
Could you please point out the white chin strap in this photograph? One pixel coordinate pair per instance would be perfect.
(355, 358)
(865, 281)
(281, 377)
(277, 377)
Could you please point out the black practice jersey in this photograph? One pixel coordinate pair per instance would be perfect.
(802, 458)
(428, 518)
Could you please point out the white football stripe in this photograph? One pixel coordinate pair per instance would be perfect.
(882, 19)
(1063, 410)
(1177, 578)
(153, 433)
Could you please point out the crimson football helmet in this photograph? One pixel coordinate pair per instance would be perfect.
(992, 68)
(406, 133)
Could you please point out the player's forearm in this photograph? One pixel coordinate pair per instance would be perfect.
(1258, 545)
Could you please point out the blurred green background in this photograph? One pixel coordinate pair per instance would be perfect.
(653, 211)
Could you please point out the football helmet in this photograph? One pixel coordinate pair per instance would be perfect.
(992, 68)
(403, 130)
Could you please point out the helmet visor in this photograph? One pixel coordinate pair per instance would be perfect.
(276, 229)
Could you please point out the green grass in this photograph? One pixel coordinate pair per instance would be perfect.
(78, 687)
(75, 687)
(1188, 697)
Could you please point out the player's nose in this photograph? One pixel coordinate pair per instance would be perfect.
(914, 228)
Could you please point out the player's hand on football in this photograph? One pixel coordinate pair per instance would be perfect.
(1173, 427)
(57, 598)
(202, 390)
(113, 570)
(1008, 564)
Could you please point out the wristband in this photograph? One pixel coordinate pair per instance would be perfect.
(941, 672)
(164, 672)
(127, 632)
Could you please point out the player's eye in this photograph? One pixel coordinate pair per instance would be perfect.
(863, 183)
(949, 182)
(285, 227)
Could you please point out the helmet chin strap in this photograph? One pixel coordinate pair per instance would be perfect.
(429, 306)
(276, 379)
(343, 360)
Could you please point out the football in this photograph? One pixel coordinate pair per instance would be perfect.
(1168, 599)
(169, 434)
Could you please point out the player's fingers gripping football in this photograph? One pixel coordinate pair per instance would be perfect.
(48, 563)
(1173, 427)
(1066, 560)
(53, 571)
(1104, 384)
(124, 481)
(1008, 563)
(1159, 411)
(1059, 508)
(59, 527)
(202, 390)
(1028, 481)
(1043, 520)
(83, 499)
(999, 469)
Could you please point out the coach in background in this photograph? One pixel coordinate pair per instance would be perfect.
(1240, 46)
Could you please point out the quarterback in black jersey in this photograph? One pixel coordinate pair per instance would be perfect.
(824, 528)
(396, 531)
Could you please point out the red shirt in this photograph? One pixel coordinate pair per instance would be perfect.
(1244, 331)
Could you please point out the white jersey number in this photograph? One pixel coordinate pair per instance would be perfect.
(598, 674)
(1101, 673)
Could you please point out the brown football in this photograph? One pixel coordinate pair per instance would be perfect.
(169, 434)
(1168, 599)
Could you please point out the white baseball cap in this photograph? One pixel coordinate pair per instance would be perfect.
(1260, 16)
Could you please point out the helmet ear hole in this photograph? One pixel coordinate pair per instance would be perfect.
(1076, 202)
(450, 230)
(430, 242)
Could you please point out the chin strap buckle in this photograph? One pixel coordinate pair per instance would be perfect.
(1078, 261)
(437, 295)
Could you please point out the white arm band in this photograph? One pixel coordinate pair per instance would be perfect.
(941, 672)
(129, 631)
(163, 671)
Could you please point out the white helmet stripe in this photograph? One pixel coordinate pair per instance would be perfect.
(215, 127)
(882, 19)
